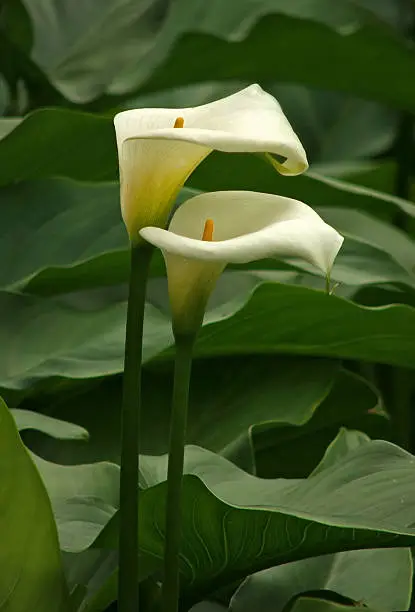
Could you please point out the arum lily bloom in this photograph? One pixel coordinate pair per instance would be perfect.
(158, 148)
(213, 229)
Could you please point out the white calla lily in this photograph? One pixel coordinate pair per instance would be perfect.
(245, 226)
(158, 148)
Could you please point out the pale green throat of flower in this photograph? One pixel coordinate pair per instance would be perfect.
(190, 284)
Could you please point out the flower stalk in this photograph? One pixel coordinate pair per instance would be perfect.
(128, 594)
(178, 424)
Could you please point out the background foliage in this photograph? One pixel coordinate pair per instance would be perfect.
(290, 385)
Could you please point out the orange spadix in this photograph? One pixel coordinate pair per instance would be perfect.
(208, 230)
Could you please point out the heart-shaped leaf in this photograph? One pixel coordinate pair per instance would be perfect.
(31, 575)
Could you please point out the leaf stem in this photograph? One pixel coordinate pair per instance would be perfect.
(128, 595)
(182, 371)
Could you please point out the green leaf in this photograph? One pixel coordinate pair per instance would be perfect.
(310, 322)
(208, 606)
(388, 10)
(91, 249)
(4, 96)
(247, 391)
(373, 232)
(92, 246)
(345, 441)
(235, 524)
(83, 51)
(282, 520)
(377, 174)
(7, 125)
(73, 144)
(381, 579)
(57, 223)
(31, 571)
(313, 604)
(79, 350)
(61, 430)
(334, 126)
(359, 264)
(289, 416)
(253, 33)
(90, 342)
(284, 450)
(83, 498)
(223, 171)
(15, 22)
(85, 62)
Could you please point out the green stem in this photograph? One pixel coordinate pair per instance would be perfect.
(183, 365)
(128, 595)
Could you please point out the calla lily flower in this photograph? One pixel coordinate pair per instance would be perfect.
(158, 148)
(211, 230)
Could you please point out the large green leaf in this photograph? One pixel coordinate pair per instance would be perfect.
(4, 95)
(72, 143)
(247, 391)
(348, 505)
(241, 320)
(31, 575)
(28, 85)
(359, 264)
(16, 24)
(61, 430)
(311, 322)
(287, 409)
(345, 441)
(91, 235)
(92, 245)
(229, 43)
(83, 51)
(208, 606)
(381, 579)
(374, 232)
(388, 10)
(84, 498)
(334, 126)
(309, 30)
(282, 449)
(235, 524)
(379, 175)
(222, 171)
(58, 223)
(319, 603)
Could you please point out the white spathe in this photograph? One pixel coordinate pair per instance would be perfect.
(156, 158)
(247, 226)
